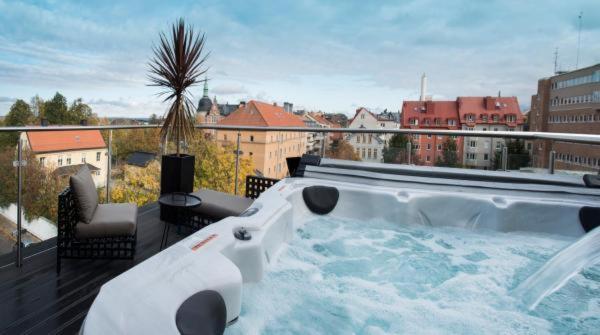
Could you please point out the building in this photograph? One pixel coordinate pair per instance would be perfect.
(567, 103)
(64, 152)
(318, 142)
(487, 114)
(268, 149)
(467, 113)
(369, 147)
(431, 115)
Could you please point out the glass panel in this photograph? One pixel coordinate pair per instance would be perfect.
(8, 197)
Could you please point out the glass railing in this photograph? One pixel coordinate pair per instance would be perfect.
(128, 168)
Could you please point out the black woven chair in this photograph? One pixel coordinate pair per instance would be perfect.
(68, 245)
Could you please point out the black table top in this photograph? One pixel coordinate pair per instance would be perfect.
(179, 199)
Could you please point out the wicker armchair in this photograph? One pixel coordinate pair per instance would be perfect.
(72, 242)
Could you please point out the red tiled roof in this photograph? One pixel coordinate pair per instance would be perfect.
(489, 106)
(429, 109)
(52, 141)
(256, 113)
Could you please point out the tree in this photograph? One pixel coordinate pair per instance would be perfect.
(518, 156)
(40, 186)
(395, 150)
(56, 110)
(341, 149)
(154, 119)
(176, 66)
(19, 115)
(37, 107)
(127, 141)
(449, 154)
(215, 166)
(139, 185)
(79, 111)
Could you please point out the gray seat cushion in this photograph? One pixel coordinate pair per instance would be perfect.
(218, 205)
(85, 192)
(109, 220)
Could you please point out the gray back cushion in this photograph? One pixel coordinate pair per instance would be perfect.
(85, 192)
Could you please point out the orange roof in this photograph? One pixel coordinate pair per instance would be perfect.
(51, 141)
(256, 113)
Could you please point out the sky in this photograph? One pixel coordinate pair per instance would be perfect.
(333, 56)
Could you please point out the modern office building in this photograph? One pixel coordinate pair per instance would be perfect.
(567, 102)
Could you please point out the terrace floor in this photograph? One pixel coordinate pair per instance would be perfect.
(35, 300)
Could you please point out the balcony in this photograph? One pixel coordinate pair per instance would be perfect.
(37, 300)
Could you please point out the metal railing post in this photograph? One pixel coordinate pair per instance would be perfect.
(237, 162)
(504, 157)
(108, 166)
(408, 152)
(551, 159)
(322, 145)
(19, 165)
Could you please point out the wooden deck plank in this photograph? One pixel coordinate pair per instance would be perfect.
(35, 300)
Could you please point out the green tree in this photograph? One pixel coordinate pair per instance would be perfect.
(518, 156)
(56, 110)
(154, 119)
(449, 154)
(37, 107)
(19, 115)
(79, 111)
(395, 150)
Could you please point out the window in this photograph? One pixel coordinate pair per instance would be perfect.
(370, 138)
(42, 160)
(429, 136)
(486, 157)
(68, 160)
(98, 156)
(439, 147)
(362, 116)
(484, 118)
(369, 153)
(251, 138)
(357, 138)
(375, 153)
(364, 151)
(471, 156)
(60, 161)
(428, 159)
(428, 146)
(470, 117)
(416, 136)
(473, 144)
(451, 122)
(83, 158)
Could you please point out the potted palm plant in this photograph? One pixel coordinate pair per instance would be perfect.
(178, 64)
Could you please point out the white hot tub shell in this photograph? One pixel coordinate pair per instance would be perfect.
(144, 299)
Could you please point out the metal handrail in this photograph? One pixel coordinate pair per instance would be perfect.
(527, 135)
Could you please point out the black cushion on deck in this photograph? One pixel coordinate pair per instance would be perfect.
(203, 313)
(589, 217)
(320, 199)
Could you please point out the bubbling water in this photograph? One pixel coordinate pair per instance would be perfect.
(349, 277)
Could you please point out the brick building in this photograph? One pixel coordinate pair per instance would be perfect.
(431, 115)
(467, 113)
(567, 103)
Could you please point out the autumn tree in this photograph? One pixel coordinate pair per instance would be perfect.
(140, 185)
(449, 154)
(40, 186)
(126, 141)
(215, 166)
(341, 149)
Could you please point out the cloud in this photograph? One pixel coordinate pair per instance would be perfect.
(7, 100)
(229, 89)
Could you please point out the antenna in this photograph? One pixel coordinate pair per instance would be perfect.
(556, 60)
(578, 41)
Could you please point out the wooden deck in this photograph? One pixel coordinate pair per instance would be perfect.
(35, 300)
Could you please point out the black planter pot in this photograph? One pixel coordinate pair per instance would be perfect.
(176, 175)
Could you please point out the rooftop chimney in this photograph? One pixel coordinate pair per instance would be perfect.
(423, 87)
(83, 122)
(44, 122)
(242, 104)
(275, 104)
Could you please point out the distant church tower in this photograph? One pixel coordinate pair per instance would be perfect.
(205, 102)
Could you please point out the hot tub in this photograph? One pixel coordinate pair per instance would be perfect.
(402, 251)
